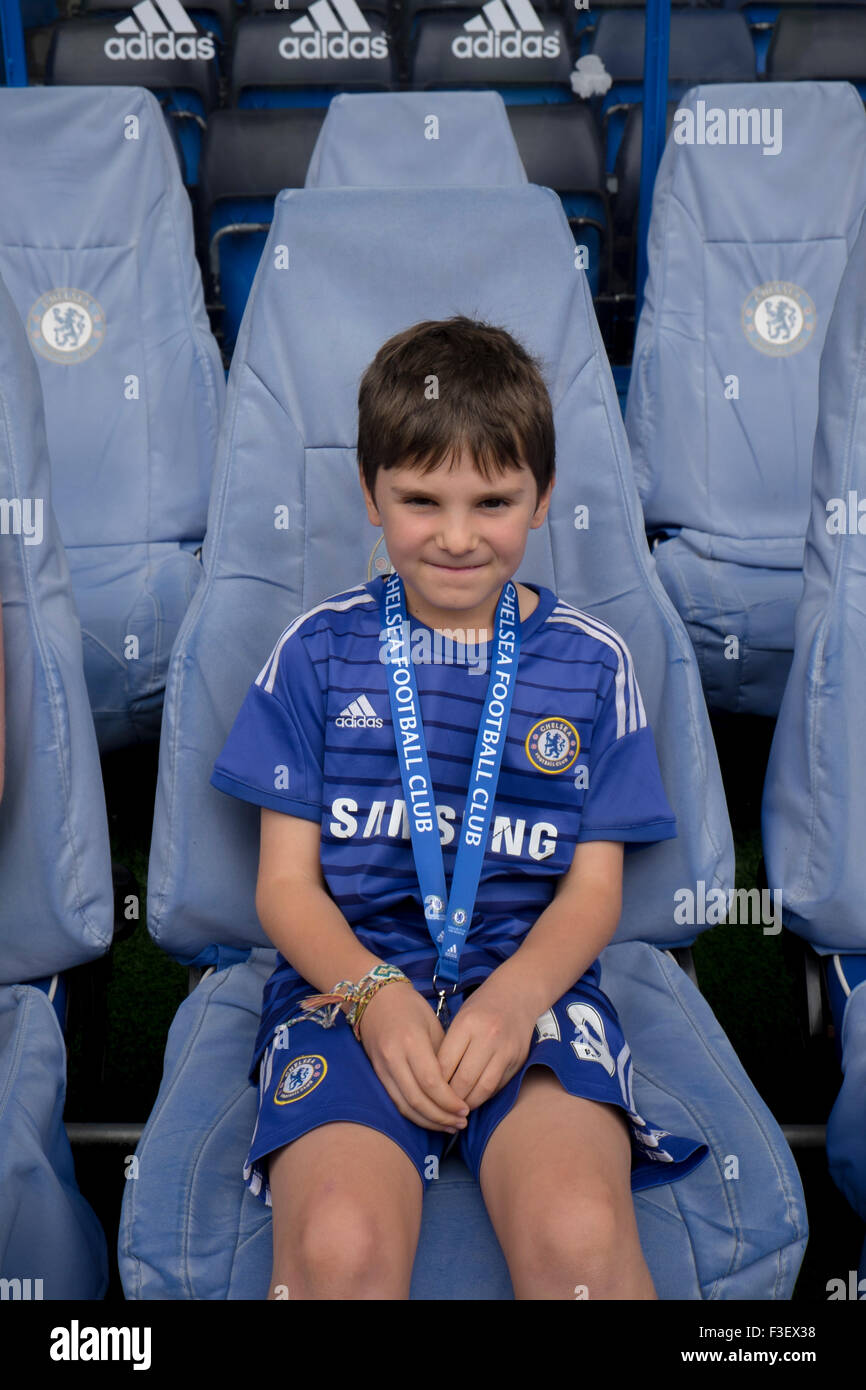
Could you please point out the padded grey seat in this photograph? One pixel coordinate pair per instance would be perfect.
(56, 892)
(814, 806)
(286, 528)
(747, 244)
(97, 252)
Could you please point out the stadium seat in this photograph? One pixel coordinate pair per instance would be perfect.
(560, 149)
(382, 7)
(814, 804)
(183, 69)
(56, 901)
(746, 251)
(247, 157)
(706, 45)
(286, 528)
(217, 15)
(502, 16)
(381, 141)
(370, 138)
(627, 195)
(100, 262)
(526, 59)
(281, 60)
(367, 140)
(827, 44)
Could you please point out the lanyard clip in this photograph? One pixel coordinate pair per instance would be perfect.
(442, 1012)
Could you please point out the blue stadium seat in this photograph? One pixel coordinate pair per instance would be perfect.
(706, 45)
(304, 60)
(367, 140)
(286, 527)
(182, 68)
(378, 140)
(99, 260)
(814, 805)
(746, 251)
(56, 901)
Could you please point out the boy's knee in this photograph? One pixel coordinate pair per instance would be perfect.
(343, 1248)
(574, 1231)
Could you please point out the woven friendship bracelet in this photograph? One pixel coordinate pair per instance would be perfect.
(351, 998)
(377, 977)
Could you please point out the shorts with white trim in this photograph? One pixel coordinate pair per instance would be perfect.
(311, 1075)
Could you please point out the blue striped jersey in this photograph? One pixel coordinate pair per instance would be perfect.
(314, 738)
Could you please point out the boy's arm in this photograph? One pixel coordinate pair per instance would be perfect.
(398, 1030)
(572, 931)
(626, 793)
(491, 1034)
(294, 907)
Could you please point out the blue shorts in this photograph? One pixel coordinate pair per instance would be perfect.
(311, 1074)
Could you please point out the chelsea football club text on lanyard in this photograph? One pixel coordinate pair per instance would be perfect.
(448, 926)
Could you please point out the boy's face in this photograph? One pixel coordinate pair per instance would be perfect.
(455, 538)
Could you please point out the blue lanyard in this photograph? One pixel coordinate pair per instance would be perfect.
(417, 783)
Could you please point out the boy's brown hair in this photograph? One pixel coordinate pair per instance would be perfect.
(492, 401)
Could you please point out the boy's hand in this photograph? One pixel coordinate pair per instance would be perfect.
(400, 1034)
(488, 1041)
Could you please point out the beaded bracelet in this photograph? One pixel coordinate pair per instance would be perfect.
(354, 998)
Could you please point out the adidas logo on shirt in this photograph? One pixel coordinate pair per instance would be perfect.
(358, 715)
(340, 31)
(159, 29)
(505, 31)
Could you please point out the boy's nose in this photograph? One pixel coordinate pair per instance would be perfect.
(457, 538)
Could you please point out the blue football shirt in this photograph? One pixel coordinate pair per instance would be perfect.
(314, 738)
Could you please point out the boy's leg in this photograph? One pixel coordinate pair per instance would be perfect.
(556, 1180)
(346, 1205)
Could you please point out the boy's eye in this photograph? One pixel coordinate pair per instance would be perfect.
(497, 501)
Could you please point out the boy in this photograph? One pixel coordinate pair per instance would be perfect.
(543, 766)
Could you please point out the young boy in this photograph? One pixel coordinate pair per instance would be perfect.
(543, 766)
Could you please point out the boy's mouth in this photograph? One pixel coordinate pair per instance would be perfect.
(455, 569)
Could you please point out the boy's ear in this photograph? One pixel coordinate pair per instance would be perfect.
(372, 509)
(543, 504)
